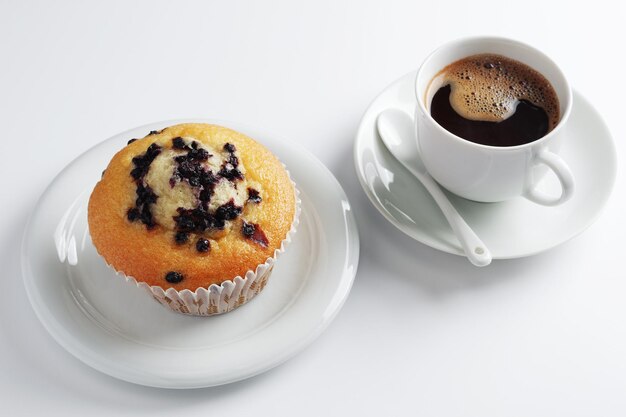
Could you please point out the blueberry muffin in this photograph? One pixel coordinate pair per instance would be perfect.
(196, 214)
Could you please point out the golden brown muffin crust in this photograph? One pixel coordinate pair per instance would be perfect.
(148, 255)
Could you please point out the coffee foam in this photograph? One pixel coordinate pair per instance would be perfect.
(487, 87)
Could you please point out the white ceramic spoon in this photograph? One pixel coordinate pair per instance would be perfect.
(396, 130)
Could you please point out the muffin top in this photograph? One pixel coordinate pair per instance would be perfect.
(190, 206)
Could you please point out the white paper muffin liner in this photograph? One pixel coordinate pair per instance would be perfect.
(227, 296)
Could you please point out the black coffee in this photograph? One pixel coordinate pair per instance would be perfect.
(494, 100)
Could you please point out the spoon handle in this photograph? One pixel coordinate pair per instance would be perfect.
(475, 250)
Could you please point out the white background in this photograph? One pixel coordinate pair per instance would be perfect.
(542, 336)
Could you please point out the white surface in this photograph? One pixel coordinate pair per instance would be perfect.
(423, 332)
(510, 229)
(114, 325)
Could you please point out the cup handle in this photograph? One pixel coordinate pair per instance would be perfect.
(562, 172)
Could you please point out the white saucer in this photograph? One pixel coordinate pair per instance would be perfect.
(511, 229)
(118, 329)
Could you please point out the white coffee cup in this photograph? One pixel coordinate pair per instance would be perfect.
(492, 173)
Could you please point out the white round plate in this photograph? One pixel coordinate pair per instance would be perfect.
(119, 330)
(511, 229)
